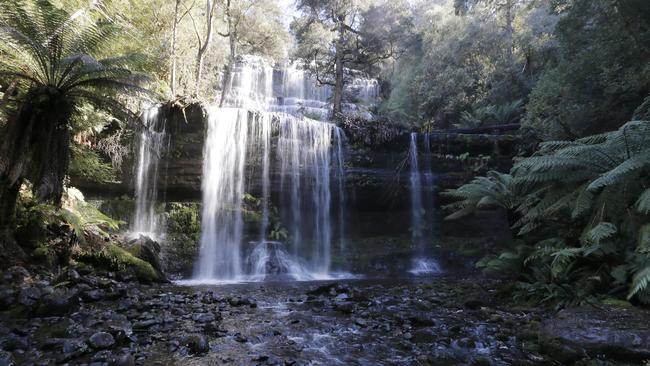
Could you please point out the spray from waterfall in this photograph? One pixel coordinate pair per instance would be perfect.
(152, 142)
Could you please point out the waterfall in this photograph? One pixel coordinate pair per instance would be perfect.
(421, 264)
(266, 128)
(416, 194)
(340, 170)
(223, 189)
(152, 143)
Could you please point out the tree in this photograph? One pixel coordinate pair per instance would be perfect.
(255, 27)
(178, 17)
(333, 35)
(204, 44)
(601, 74)
(461, 62)
(55, 59)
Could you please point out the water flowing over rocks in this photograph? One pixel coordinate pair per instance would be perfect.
(369, 322)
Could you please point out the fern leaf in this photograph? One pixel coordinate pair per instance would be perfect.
(625, 170)
(600, 232)
(640, 282)
(643, 203)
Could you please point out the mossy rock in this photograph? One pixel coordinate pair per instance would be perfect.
(116, 258)
(125, 261)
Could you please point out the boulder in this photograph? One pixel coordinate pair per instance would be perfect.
(149, 251)
(101, 340)
(619, 333)
(197, 344)
(59, 302)
(15, 274)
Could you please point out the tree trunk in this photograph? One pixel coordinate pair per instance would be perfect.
(509, 32)
(8, 197)
(232, 40)
(172, 76)
(338, 74)
(203, 49)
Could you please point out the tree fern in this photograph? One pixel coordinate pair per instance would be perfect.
(589, 197)
(491, 191)
(55, 59)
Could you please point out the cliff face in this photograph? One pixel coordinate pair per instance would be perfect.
(378, 185)
(183, 162)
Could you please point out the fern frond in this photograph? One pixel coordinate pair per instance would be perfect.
(643, 203)
(626, 170)
(600, 232)
(640, 282)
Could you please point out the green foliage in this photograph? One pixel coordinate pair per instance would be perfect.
(87, 164)
(370, 133)
(601, 74)
(491, 115)
(583, 215)
(57, 61)
(80, 215)
(491, 191)
(461, 66)
(278, 233)
(183, 218)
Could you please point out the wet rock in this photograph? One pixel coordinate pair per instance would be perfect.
(58, 303)
(72, 348)
(240, 338)
(15, 274)
(197, 344)
(331, 289)
(7, 298)
(341, 297)
(101, 340)
(421, 320)
(466, 343)
(6, 359)
(203, 318)
(70, 275)
(239, 301)
(124, 359)
(361, 322)
(345, 307)
(93, 295)
(619, 333)
(144, 324)
(14, 342)
(149, 251)
(473, 304)
(424, 336)
(29, 296)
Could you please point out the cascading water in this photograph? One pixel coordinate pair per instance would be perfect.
(265, 126)
(416, 194)
(421, 264)
(152, 142)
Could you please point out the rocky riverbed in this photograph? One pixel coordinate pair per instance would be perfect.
(92, 318)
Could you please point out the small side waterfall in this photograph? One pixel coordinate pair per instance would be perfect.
(152, 143)
(416, 195)
(421, 264)
(266, 128)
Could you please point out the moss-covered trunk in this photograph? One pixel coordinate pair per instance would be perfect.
(8, 197)
(36, 146)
